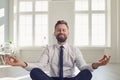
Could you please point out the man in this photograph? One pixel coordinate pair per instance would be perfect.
(62, 59)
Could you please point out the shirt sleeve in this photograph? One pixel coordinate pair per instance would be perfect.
(42, 62)
(80, 62)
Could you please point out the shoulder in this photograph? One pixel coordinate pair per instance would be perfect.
(74, 47)
(76, 50)
(50, 47)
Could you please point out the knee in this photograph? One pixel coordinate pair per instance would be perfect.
(34, 71)
(87, 73)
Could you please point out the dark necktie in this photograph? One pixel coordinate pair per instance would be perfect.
(61, 62)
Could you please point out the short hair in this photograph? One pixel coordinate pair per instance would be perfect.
(61, 22)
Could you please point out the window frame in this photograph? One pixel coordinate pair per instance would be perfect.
(107, 22)
(16, 16)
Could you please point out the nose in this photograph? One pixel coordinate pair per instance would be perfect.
(61, 31)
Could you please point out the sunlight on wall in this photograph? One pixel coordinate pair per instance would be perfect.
(2, 27)
(2, 12)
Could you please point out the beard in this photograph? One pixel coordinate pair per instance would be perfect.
(61, 38)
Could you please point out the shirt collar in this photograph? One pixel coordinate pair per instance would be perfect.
(65, 45)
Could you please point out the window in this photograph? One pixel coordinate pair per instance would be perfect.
(31, 22)
(2, 12)
(2, 27)
(2, 34)
(91, 19)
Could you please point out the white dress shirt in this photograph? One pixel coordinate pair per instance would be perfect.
(71, 57)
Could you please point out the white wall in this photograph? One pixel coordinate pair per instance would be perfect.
(115, 53)
(64, 10)
(118, 46)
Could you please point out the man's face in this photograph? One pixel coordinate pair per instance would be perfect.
(61, 32)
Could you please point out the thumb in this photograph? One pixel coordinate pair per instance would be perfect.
(103, 58)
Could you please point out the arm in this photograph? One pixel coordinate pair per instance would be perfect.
(81, 64)
(43, 61)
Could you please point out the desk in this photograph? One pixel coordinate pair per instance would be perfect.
(13, 73)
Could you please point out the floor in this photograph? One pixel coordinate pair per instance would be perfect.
(13, 73)
(109, 72)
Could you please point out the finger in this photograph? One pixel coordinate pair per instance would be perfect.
(105, 61)
(8, 61)
(13, 58)
(102, 58)
(109, 57)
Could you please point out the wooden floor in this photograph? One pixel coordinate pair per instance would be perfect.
(109, 72)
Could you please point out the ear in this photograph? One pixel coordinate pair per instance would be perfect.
(54, 34)
(68, 33)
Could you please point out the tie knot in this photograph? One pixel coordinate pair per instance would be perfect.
(61, 47)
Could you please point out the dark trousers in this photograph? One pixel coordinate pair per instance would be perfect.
(38, 74)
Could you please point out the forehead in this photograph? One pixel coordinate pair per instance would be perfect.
(61, 26)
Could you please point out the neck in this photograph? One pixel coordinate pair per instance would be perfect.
(61, 43)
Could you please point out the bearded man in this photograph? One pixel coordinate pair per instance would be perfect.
(62, 59)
